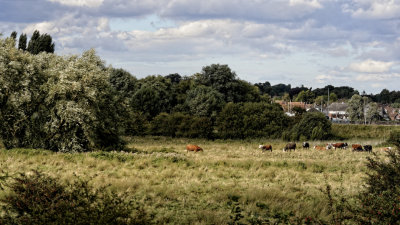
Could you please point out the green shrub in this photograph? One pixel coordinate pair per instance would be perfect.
(251, 120)
(380, 199)
(394, 138)
(40, 199)
(313, 126)
(181, 125)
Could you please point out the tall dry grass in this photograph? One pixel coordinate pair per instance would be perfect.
(359, 131)
(177, 187)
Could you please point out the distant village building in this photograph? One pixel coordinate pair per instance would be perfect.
(336, 112)
(389, 113)
(288, 106)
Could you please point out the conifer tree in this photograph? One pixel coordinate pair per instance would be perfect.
(22, 42)
(40, 43)
(14, 35)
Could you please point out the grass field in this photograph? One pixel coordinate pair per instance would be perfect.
(193, 188)
(359, 131)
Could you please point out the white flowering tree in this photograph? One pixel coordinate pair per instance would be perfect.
(58, 103)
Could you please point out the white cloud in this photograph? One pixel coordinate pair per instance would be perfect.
(374, 9)
(371, 66)
(331, 78)
(311, 3)
(377, 77)
(86, 3)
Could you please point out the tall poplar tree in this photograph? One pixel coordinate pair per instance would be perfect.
(22, 42)
(40, 43)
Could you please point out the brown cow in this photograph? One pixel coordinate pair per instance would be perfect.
(356, 147)
(193, 148)
(316, 147)
(290, 146)
(338, 145)
(265, 147)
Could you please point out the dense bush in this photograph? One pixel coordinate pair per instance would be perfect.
(312, 126)
(380, 200)
(181, 125)
(244, 120)
(394, 138)
(40, 199)
(58, 103)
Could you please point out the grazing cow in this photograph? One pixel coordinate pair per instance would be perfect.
(345, 145)
(290, 146)
(339, 145)
(356, 147)
(329, 146)
(306, 145)
(387, 149)
(193, 148)
(265, 147)
(368, 148)
(316, 147)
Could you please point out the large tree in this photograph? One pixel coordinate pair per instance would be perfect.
(222, 79)
(22, 42)
(305, 96)
(14, 35)
(204, 101)
(57, 103)
(357, 108)
(153, 96)
(40, 43)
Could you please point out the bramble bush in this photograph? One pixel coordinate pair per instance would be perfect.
(41, 199)
(380, 199)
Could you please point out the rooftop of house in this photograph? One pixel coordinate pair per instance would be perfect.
(338, 106)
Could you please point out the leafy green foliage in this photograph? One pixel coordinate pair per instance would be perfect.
(356, 109)
(153, 96)
(57, 103)
(204, 101)
(14, 35)
(222, 79)
(340, 92)
(241, 120)
(41, 199)
(22, 42)
(394, 138)
(380, 200)
(305, 96)
(181, 125)
(313, 126)
(40, 43)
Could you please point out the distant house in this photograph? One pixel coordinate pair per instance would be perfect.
(337, 112)
(390, 113)
(288, 106)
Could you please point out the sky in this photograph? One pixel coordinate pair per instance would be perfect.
(299, 42)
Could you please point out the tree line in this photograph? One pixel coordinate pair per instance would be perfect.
(77, 103)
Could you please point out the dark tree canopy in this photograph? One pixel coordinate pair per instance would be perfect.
(14, 35)
(40, 43)
(22, 42)
(175, 78)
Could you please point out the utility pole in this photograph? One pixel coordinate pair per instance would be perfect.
(365, 118)
(327, 104)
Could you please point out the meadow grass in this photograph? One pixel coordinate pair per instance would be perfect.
(177, 187)
(359, 131)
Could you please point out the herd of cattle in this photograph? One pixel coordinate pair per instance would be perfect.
(306, 145)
